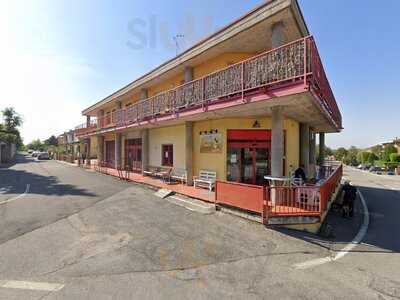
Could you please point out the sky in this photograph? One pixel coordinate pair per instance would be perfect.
(59, 57)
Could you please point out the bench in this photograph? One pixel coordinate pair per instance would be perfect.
(205, 179)
(151, 170)
(179, 174)
(161, 172)
(164, 173)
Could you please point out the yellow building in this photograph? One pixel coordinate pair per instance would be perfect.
(245, 102)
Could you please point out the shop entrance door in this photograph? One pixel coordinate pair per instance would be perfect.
(248, 156)
(110, 154)
(133, 154)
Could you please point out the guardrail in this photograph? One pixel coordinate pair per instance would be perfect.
(288, 64)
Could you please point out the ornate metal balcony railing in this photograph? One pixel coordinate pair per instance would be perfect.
(86, 128)
(295, 62)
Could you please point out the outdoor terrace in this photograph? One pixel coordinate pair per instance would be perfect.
(290, 69)
(266, 202)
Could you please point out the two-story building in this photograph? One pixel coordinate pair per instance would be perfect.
(245, 102)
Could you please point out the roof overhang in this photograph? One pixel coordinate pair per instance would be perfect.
(255, 16)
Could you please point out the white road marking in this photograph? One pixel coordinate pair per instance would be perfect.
(357, 240)
(5, 189)
(17, 197)
(30, 285)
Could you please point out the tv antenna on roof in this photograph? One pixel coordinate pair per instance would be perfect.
(176, 39)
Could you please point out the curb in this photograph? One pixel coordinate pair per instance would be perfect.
(192, 204)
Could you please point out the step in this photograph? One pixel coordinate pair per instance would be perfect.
(191, 204)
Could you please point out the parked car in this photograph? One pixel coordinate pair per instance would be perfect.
(376, 170)
(43, 155)
(35, 153)
(391, 173)
(30, 151)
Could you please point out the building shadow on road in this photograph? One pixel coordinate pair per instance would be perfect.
(382, 234)
(13, 181)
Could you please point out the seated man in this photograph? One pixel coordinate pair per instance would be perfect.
(300, 174)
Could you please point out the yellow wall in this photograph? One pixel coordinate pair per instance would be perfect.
(166, 85)
(220, 62)
(93, 146)
(174, 135)
(217, 161)
(210, 66)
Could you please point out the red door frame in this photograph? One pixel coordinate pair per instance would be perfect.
(110, 154)
(133, 147)
(169, 159)
(253, 139)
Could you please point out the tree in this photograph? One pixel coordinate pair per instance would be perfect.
(363, 157)
(340, 153)
(377, 150)
(395, 158)
(51, 141)
(372, 158)
(12, 120)
(387, 151)
(351, 156)
(9, 131)
(328, 151)
(36, 145)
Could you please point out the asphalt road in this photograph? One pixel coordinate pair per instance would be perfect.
(76, 234)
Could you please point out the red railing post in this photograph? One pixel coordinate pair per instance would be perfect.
(242, 78)
(203, 93)
(305, 61)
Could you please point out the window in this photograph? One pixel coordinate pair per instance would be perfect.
(167, 153)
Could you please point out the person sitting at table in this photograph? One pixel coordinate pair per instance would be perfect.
(300, 173)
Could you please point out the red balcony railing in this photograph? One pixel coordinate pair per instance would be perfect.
(86, 128)
(292, 63)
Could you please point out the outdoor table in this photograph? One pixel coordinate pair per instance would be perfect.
(277, 181)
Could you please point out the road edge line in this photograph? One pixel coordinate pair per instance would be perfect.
(344, 251)
(17, 197)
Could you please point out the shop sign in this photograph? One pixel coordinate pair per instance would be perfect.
(211, 143)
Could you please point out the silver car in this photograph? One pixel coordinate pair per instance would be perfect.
(43, 155)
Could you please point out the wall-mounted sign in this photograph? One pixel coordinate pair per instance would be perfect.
(256, 124)
(211, 143)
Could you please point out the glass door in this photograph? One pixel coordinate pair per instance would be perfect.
(234, 164)
(248, 165)
(248, 156)
(261, 164)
